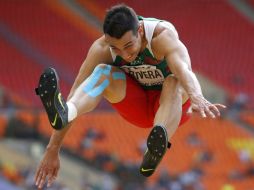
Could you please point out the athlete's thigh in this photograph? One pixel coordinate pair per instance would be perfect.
(172, 88)
(134, 106)
(116, 91)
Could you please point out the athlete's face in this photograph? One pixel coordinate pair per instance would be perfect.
(127, 47)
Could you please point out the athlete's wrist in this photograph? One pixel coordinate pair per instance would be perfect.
(195, 96)
(55, 148)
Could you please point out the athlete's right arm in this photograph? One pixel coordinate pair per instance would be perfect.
(50, 164)
(98, 53)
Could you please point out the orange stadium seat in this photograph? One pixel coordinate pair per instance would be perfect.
(3, 125)
(62, 40)
(123, 140)
(248, 117)
(27, 116)
(44, 125)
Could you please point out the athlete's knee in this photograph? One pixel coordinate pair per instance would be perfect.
(105, 71)
(102, 71)
(101, 79)
(98, 81)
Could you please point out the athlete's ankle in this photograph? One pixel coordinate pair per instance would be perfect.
(160, 125)
(72, 111)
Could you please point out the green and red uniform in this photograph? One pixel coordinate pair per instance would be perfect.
(144, 78)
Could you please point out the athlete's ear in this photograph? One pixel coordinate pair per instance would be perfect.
(141, 29)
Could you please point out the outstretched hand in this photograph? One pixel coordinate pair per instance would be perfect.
(205, 108)
(48, 169)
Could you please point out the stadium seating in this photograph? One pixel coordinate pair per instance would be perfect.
(3, 122)
(48, 32)
(55, 42)
(28, 117)
(218, 38)
(251, 2)
(212, 51)
(123, 140)
(248, 117)
(18, 74)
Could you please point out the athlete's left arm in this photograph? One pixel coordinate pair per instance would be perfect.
(178, 59)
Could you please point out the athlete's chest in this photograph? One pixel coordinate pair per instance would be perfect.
(147, 70)
(143, 67)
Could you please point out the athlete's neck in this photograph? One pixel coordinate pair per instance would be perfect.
(143, 38)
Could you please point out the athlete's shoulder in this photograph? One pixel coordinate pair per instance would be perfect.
(165, 36)
(164, 28)
(100, 45)
(101, 49)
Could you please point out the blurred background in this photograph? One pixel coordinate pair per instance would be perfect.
(102, 151)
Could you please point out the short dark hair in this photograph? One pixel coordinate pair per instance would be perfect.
(120, 19)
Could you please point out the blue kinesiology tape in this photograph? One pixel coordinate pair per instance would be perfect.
(106, 70)
(90, 88)
(99, 89)
(93, 79)
(118, 75)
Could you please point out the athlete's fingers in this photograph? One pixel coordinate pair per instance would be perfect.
(220, 106)
(202, 113)
(215, 110)
(42, 180)
(209, 112)
(39, 176)
(52, 176)
(56, 172)
(50, 179)
(195, 108)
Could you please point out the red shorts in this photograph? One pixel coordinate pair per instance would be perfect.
(140, 106)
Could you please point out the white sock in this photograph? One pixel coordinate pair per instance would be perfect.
(72, 111)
